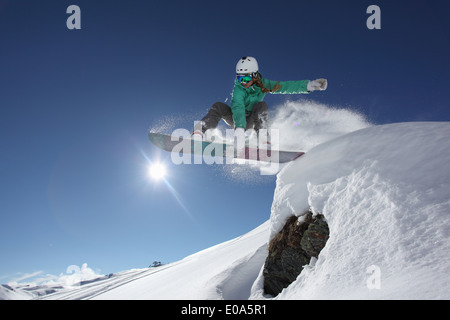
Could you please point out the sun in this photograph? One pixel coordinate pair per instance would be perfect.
(157, 171)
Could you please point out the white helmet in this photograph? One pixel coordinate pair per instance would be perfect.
(247, 65)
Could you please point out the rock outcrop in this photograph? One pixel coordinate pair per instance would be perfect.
(292, 248)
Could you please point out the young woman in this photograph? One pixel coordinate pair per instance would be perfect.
(247, 109)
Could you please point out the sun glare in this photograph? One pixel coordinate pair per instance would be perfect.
(157, 171)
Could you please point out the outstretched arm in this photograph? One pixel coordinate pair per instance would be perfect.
(294, 87)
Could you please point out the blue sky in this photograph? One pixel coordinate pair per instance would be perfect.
(76, 106)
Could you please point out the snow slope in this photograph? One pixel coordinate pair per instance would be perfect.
(225, 271)
(385, 193)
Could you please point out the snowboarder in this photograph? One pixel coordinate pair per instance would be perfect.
(247, 109)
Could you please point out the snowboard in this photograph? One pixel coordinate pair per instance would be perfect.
(187, 145)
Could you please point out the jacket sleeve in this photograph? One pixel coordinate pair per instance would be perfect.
(238, 107)
(287, 87)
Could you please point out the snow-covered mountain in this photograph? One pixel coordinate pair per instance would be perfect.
(385, 194)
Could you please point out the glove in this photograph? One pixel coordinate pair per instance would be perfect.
(318, 84)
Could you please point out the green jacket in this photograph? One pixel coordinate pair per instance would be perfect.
(243, 99)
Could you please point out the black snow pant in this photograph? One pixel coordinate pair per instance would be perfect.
(256, 120)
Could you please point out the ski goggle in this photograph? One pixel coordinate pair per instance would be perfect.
(244, 78)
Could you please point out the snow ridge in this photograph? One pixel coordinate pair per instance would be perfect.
(384, 192)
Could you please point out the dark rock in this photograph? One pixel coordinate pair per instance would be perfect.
(291, 249)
